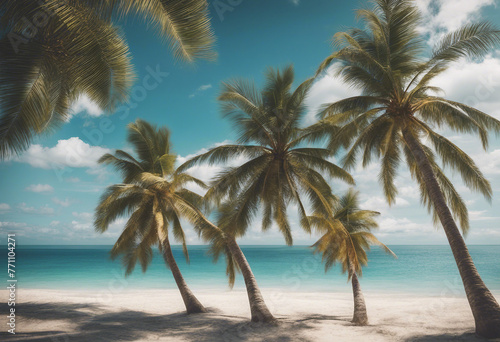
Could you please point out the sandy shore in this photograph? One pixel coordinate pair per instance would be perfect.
(157, 315)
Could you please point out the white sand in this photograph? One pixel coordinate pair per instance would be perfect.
(157, 315)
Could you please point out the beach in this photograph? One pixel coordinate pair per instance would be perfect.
(86, 297)
(158, 315)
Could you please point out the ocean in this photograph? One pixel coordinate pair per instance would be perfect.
(427, 270)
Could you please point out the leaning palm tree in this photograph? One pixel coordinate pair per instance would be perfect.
(53, 51)
(156, 199)
(396, 114)
(277, 172)
(347, 239)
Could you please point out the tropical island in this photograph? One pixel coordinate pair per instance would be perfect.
(339, 191)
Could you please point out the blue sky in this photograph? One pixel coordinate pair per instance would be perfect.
(48, 194)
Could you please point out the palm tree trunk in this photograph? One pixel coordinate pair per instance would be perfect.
(192, 304)
(258, 308)
(485, 308)
(360, 316)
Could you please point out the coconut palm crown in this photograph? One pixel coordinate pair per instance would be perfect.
(396, 117)
(349, 250)
(150, 187)
(277, 170)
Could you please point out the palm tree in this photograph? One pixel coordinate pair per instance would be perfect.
(396, 113)
(53, 51)
(278, 171)
(347, 239)
(155, 198)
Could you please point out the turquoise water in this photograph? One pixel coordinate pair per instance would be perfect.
(426, 269)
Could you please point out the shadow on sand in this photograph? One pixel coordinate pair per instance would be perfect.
(94, 323)
(91, 322)
(449, 338)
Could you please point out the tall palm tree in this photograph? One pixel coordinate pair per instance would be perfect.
(53, 51)
(347, 239)
(155, 198)
(396, 113)
(278, 171)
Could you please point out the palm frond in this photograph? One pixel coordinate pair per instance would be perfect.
(185, 24)
(471, 40)
(453, 156)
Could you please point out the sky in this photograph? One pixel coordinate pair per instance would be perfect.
(48, 194)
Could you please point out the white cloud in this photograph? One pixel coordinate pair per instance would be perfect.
(114, 229)
(494, 233)
(56, 232)
(63, 203)
(205, 87)
(40, 188)
(479, 215)
(326, 89)
(83, 216)
(83, 222)
(409, 191)
(72, 180)
(204, 171)
(379, 203)
(200, 89)
(489, 163)
(444, 16)
(85, 105)
(295, 2)
(4, 207)
(401, 202)
(76, 225)
(476, 84)
(390, 225)
(12, 224)
(182, 159)
(19, 228)
(45, 210)
(72, 152)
